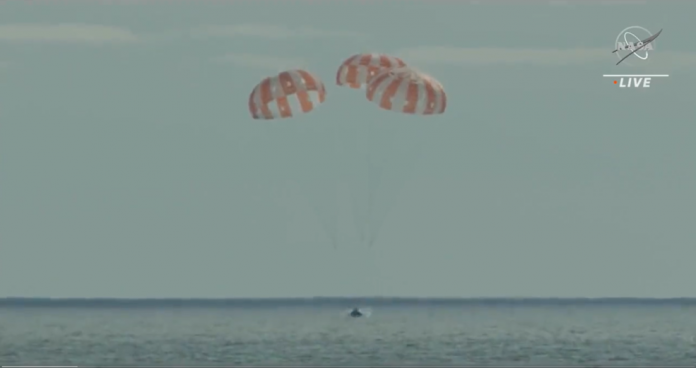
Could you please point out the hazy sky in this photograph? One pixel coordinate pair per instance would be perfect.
(130, 167)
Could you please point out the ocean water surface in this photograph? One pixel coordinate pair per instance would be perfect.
(319, 332)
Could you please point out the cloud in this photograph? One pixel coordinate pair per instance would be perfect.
(65, 33)
(512, 56)
(269, 31)
(624, 2)
(604, 2)
(261, 61)
(460, 55)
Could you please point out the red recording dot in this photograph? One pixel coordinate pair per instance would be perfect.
(614, 82)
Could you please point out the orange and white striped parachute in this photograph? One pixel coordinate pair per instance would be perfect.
(408, 91)
(286, 95)
(357, 70)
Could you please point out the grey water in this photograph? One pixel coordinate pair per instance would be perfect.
(619, 332)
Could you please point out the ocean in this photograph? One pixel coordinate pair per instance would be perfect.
(520, 332)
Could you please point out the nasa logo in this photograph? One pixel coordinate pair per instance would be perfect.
(630, 40)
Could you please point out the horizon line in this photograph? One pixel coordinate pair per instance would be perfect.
(339, 302)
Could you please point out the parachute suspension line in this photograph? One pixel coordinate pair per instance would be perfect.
(362, 179)
(356, 184)
(334, 173)
(370, 178)
(402, 157)
(294, 89)
(356, 72)
(367, 131)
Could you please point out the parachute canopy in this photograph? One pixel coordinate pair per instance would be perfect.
(286, 95)
(408, 91)
(357, 70)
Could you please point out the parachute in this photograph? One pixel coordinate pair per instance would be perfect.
(284, 95)
(357, 70)
(294, 94)
(408, 91)
(385, 149)
(384, 157)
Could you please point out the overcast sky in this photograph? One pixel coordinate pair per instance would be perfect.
(130, 166)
